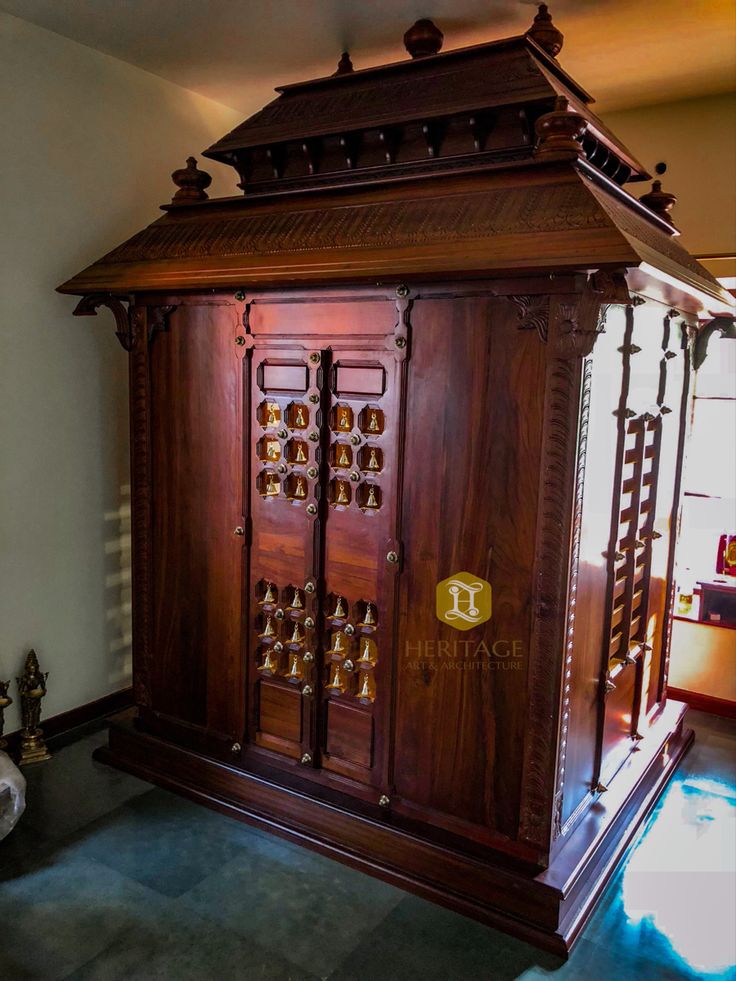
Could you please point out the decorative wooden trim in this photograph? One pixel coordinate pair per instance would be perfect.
(701, 702)
(577, 524)
(58, 726)
(140, 451)
(562, 388)
(124, 326)
(533, 313)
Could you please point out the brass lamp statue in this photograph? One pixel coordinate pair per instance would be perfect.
(32, 688)
(5, 701)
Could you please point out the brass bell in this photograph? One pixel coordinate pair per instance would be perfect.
(340, 612)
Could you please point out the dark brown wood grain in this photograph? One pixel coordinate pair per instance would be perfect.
(429, 340)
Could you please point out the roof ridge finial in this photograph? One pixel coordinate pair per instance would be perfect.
(344, 65)
(423, 38)
(659, 201)
(191, 183)
(544, 32)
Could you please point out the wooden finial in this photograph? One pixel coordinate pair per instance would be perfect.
(544, 32)
(344, 65)
(660, 202)
(191, 183)
(423, 38)
(560, 131)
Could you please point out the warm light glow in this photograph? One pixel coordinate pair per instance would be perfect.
(682, 875)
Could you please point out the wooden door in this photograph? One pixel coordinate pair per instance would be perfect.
(187, 438)
(324, 422)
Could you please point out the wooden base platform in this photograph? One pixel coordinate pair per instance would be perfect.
(548, 909)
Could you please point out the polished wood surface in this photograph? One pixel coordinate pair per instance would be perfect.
(437, 337)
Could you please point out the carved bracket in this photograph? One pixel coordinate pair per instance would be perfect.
(580, 318)
(724, 325)
(128, 319)
(124, 326)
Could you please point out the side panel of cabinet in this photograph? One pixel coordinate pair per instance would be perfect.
(471, 481)
(599, 479)
(196, 401)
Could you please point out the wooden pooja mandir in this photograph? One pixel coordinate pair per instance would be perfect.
(434, 341)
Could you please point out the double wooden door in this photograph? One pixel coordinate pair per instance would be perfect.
(273, 464)
(324, 418)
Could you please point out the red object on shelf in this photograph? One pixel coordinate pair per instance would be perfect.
(726, 556)
(720, 554)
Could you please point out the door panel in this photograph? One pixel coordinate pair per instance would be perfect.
(362, 473)
(285, 424)
(469, 504)
(196, 454)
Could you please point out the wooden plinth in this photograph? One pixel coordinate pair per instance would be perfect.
(548, 909)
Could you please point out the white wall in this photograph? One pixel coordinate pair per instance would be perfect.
(696, 138)
(87, 144)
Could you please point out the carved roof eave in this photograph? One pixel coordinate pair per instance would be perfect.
(314, 110)
(550, 216)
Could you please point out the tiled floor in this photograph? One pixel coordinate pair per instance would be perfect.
(106, 878)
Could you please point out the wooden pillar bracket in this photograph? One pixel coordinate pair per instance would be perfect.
(129, 319)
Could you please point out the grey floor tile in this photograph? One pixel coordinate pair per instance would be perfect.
(57, 916)
(163, 842)
(420, 941)
(180, 947)
(303, 906)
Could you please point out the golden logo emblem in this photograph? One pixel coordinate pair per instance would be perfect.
(463, 601)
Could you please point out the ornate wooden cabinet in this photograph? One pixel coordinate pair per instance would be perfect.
(436, 348)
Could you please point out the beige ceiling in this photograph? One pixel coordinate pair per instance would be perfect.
(626, 52)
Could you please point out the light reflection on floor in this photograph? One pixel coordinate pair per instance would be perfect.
(682, 874)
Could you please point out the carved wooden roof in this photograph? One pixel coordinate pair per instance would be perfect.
(478, 162)
(474, 106)
(554, 216)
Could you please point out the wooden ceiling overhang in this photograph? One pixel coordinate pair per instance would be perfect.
(476, 163)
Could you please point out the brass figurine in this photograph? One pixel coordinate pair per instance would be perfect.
(5, 701)
(32, 688)
(344, 419)
(300, 421)
(272, 485)
(373, 424)
(373, 461)
(301, 456)
(269, 596)
(365, 652)
(273, 414)
(268, 630)
(296, 602)
(366, 692)
(336, 682)
(300, 490)
(343, 459)
(270, 662)
(339, 613)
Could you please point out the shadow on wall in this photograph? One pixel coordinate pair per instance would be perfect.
(118, 590)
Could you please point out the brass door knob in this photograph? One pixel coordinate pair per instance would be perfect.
(306, 759)
(355, 439)
(609, 687)
(349, 629)
(308, 657)
(307, 691)
(239, 531)
(392, 557)
(309, 587)
(235, 748)
(384, 800)
(309, 623)
(348, 666)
